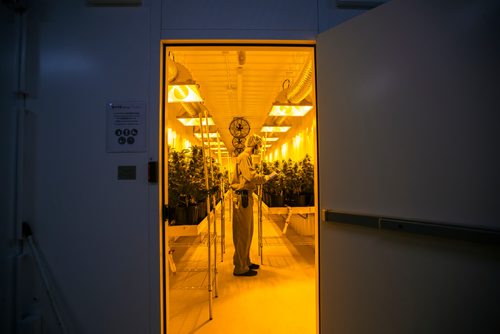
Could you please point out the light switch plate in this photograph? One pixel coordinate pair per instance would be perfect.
(126, 173)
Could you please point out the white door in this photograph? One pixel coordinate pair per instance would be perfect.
(406, 130)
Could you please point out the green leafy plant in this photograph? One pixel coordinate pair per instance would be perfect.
(306, 175)
(180, 181)
(186, 179)
(276, 185)
(294, 180)
(197, 173)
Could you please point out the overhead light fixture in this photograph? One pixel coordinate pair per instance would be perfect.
(290, 109)
(211, 132)
(184, 93)
(273, 128)
(284, 107)
(271, 139)
(182, 88)
(213, 143)
(210, 135)
(188, 120)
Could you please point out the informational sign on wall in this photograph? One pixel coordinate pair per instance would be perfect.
(126, 126)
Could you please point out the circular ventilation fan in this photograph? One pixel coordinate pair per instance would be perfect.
(239, 127)
(239, 142)
(237, 151)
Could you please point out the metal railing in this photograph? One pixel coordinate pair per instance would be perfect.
(437, 229)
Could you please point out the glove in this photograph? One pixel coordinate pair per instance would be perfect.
(271, 176)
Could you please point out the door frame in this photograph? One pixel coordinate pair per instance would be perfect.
(162, 169)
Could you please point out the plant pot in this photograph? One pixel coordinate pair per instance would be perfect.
(186, 215)
(180, 216)
(310, 199)
(298, 200)
(266, 198)
(169, 212)
(276, 200)
(192, 215)
(202, 210)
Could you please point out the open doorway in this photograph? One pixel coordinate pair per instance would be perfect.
(213, 98)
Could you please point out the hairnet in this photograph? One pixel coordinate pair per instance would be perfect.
(254, 140)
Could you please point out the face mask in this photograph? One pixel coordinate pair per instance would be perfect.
(256, 149)
(256, 159)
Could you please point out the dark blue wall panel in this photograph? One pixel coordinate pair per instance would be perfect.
(295, 19)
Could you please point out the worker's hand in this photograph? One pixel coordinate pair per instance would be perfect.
(271, 176)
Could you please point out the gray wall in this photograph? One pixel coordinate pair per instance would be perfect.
(408, 127)
(98, 236)
(240, 19)
(9, 109)
(259, 19)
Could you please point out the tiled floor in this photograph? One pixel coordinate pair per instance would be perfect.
(280, 299)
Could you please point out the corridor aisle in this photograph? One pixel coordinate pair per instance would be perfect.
(280, 299)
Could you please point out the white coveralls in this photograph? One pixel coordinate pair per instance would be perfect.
(247, 179)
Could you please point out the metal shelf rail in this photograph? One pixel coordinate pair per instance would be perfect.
(286, 213)
(176, 235)
(200, 235)
(193, 275)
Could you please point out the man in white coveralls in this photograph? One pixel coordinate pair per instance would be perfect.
(245, 181)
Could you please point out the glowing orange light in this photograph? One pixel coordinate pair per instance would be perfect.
(275, 128)
(289, 110)
(184, 93)
(195, 121)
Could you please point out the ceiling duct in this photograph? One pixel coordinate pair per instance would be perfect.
(292, 100)
(302, 87)
(192, 108)
(171, 69)
(191, 114)
(181, 86)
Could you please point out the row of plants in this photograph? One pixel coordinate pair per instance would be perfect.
(187, 191)
(293, 185)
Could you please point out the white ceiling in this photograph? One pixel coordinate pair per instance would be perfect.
(241, 81)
